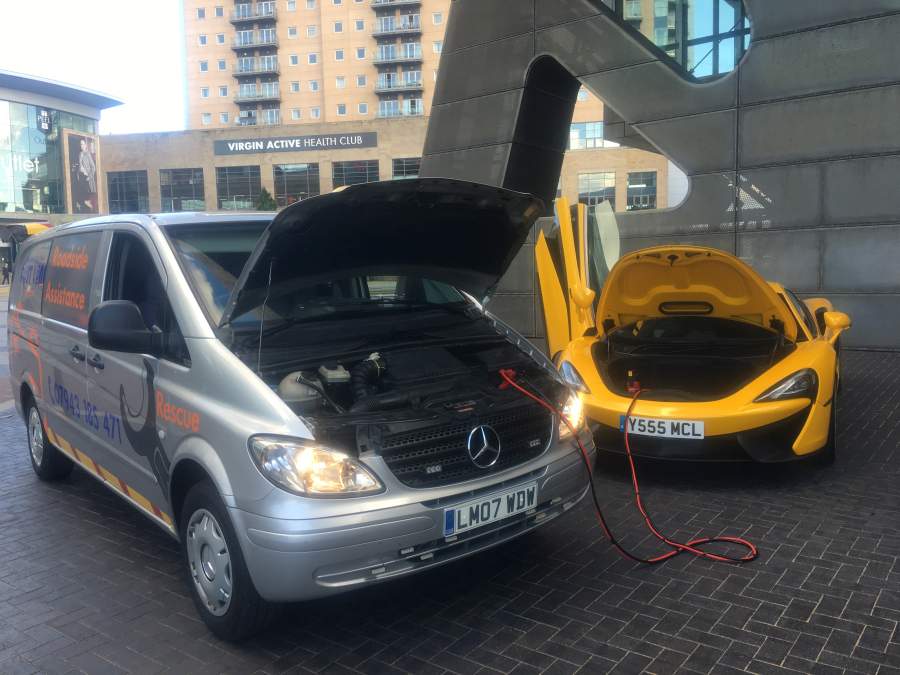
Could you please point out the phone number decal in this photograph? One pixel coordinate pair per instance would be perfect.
(84, 411)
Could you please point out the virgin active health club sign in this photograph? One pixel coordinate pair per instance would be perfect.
(351, 141)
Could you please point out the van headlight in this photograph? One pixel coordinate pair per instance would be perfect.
(573, 411)
(310, 469)
(802, 384)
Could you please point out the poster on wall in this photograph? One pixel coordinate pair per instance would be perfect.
(82, 173)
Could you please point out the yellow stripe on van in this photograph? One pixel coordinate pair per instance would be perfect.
(109, 478)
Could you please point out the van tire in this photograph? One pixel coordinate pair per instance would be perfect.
(246, 613)
(48, 461)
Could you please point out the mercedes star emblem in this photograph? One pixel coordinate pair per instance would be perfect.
(483, 446)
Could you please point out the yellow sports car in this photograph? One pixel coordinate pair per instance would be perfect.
(724, 365)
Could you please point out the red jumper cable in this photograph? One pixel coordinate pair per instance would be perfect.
(692, 547)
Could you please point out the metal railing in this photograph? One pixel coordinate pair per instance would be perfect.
(253, 14)
(395, 3)
(406, 25)
(401, 56)
(258, 94)
(257, 67)
(256, 40)
(398, 85)
(400, 112)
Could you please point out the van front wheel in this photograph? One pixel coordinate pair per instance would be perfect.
(48, 461)
(220, 584)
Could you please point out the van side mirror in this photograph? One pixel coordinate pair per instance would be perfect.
(117, 326)
(837, 322)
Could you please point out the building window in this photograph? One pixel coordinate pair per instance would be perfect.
(294, 60)
(315, 113)
(310, 4)
(292, 5)
(204, 66)
(201, 13)
(354, 173)
(221, 64)
(363, 108)
(292, 31)
(641, 190)
(338, 54)
(182, 189)
(223, 91)
(237, 187)
(314, 85)
(360, 24)
(406, 167)
(437, 46)
(361, 53)
(361, 80)
(437, 18)
(312, 31)
(205, 119)
(340, 82)
(220, 38)
(312, 59)
(204, 92)
(596, 188)
(341, 109)
(583, 94)
(220, 11)
(223, 117)
(295, 113)
(336, 2)
(295, 86)
(202, 39)
(295, 182)
(583, 135)
(338, 26)
(128, 192)
(705, 37)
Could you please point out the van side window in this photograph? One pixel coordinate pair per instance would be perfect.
(70, 270)
(132, 275)
(28, 281)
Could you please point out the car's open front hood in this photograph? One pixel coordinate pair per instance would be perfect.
(461, 233)
(667, 280)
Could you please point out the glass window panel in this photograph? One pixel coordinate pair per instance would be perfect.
(595, 188)
(355, 172)
(237, 187)
(699, 18)
(407, 167)
(295, 182)
(182, 190)
(700, 59)
(641, 191)
(127, 192)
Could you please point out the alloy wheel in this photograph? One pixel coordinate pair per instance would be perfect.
(209, 561)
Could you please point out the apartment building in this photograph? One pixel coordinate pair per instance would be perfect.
(310, 61)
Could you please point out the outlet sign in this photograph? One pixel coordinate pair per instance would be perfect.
(252, 146)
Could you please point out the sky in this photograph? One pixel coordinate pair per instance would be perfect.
(132, 50)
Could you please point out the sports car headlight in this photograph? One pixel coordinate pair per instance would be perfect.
(802, 384)
(309, 469)
(573, 377)
(573, 411)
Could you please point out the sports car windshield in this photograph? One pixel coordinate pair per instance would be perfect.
(214, 255)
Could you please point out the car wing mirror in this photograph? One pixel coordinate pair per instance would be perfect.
(118, 326)
(583, 297)
(838, 322)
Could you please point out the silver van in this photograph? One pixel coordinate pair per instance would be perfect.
(309, 402)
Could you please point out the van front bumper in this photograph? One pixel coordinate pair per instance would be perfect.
(291, 560)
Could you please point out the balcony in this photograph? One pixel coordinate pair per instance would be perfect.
(405, 110)
(244, 14)
(258, 95)
(258, 40)
(253, 67)
(407, 25)
(392, 86)
(395, 3)
(394, 56)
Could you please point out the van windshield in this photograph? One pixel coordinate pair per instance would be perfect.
(213, 256)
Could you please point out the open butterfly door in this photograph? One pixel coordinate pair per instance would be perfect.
(566, 295)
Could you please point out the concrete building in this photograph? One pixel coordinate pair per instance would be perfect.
(783, 115)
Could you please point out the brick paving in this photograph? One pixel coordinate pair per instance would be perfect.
(87, 585)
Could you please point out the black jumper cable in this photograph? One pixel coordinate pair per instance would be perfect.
(509, 380)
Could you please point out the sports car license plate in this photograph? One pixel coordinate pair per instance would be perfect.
(649, 426)
(489, 509)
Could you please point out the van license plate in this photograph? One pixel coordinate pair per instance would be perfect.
(648, 426)
(489, 509)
